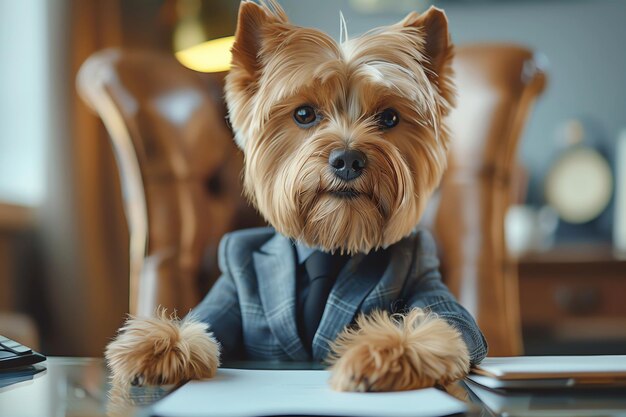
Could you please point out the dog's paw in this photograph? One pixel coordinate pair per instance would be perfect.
(395, 353)
(162, 350)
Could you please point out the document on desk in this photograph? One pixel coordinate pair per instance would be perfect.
(535, 367)
(252, 393)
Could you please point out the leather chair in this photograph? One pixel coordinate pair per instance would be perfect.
(497, 88)
(180, 174)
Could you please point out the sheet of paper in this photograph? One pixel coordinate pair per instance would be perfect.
(555, 366)
(249, 393)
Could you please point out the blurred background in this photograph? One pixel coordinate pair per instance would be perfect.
(64, 240)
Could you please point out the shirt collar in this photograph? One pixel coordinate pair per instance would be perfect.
(303, 251)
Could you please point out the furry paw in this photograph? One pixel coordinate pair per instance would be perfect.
(395, 353)
(162, 350)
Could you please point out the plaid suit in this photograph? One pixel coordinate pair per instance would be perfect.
(252, 307)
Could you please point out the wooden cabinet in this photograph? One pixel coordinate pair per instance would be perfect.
(573, 300)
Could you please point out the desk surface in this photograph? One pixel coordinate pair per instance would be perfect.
(79, 387)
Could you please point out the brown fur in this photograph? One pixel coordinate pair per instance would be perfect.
(286, 173)
(277, 67)
(162, 350)
(394, 353)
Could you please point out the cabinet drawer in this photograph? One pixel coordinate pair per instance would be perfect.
(548, 299)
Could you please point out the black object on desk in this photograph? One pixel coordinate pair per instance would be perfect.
(15, 376)
(14, 355)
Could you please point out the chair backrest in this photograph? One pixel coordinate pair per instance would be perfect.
(179, 169)
(180, 173)
(497, 86)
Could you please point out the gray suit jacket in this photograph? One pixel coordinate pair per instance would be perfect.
(251, 309)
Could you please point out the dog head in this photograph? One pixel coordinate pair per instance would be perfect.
(343, 142)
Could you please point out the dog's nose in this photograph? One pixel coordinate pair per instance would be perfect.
(347, 164)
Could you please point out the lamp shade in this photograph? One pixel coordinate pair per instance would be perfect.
(203, 36)
(209, 56)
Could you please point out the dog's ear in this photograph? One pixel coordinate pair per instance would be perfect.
(255, 24)
(437, 49)
(433, 25)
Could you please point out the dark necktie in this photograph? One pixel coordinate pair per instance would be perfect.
(322, 269)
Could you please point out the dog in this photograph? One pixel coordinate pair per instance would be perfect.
(344, 143)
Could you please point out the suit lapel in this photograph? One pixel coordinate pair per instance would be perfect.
(275, 267)
(355, 282)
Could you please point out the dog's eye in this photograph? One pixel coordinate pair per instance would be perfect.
(388, 118)
(305, 116)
